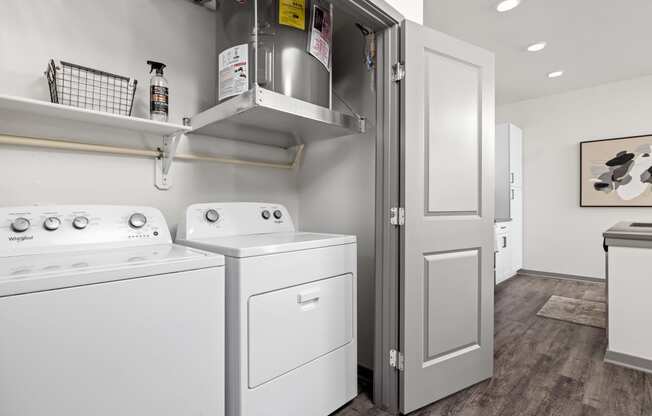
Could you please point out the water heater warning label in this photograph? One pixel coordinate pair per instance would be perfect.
(321, 34)
(292, 13)
(234, 71)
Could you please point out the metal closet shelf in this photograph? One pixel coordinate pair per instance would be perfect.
(164, 155)
(266, 117)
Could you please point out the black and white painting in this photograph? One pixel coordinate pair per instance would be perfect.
(616, 172)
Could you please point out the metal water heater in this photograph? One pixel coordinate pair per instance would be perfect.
(281, 45)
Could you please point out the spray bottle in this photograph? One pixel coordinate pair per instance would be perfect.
(158, 93)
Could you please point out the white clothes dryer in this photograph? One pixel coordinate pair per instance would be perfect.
(291, 309)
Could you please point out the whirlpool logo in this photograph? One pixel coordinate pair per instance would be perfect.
(20, 239)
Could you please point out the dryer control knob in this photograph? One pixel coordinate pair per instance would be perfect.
(20, 225)
(137, 220)
(51, 223)
(278, 214)
(212, 215)
(265, 214)
(80, 223)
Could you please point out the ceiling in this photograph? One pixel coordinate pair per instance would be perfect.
(592, 41)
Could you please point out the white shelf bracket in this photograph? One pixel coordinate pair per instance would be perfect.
(167, 151)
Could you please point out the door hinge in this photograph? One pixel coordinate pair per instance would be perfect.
(398, 72)
(396, 360)
(397, 216)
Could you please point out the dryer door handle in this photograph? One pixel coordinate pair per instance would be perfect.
(308, 296)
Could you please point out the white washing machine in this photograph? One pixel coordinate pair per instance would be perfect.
(291, 309)
(100, 314)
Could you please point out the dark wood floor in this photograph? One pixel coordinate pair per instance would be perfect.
(542, 366)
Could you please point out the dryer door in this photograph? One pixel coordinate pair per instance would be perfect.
(293, 326)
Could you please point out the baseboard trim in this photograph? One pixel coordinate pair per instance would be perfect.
(629, 361)
(562, 276)
(507, 280)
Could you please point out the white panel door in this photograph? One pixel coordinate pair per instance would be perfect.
(448, 240)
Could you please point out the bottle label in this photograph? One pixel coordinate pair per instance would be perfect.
(158, 99)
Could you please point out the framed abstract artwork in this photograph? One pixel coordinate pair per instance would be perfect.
(616, 172)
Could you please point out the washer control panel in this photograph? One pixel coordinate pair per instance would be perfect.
(43, 229)
(222, 219)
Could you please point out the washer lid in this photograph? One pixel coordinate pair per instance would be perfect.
(272, 243)
(38, 272)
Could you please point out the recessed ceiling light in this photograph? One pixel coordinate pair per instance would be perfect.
(507, 5)
(555, 74)
(536, 47)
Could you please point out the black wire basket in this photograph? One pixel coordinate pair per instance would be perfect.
(89, 88)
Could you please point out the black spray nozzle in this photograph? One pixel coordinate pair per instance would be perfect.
(158, 66)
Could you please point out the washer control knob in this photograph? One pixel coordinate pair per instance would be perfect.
(137, 220)
(212, 215)
(80, 223)
(278, 214)
(20, 225)
(265, 214)
(51, 223)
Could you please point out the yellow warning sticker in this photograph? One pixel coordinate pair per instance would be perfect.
(292, 13)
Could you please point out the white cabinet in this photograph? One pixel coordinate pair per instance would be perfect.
(630, 310)
(628, 254)
(515, 155)
(516, 229)
(508, 168)
(509, 201)
(503, 251)
(502, 173)
(516, 197)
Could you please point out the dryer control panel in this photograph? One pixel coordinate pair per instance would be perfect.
(47, 229)
(222, 219)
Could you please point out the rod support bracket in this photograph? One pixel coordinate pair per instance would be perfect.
(167, 151)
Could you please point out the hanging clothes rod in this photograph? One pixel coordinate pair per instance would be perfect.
(127, 151)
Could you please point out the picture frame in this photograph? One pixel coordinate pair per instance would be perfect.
(616, 172)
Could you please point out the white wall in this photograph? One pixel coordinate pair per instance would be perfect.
(337, 196)
(337, 177)
(560, 236)
(120, 36)
(411, 9)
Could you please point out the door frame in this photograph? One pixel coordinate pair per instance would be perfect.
(386, 22)
(388, 248)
